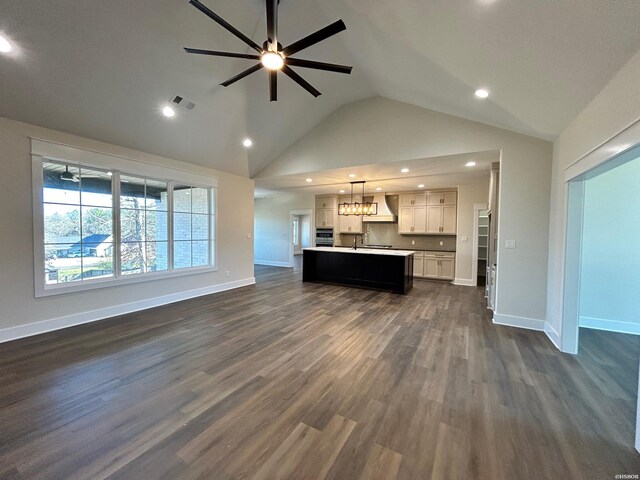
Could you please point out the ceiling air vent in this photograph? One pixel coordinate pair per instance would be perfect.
(184, 103)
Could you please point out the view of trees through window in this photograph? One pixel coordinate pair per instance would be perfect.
(79, 225)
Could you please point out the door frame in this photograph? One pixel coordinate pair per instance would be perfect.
(293, 213)
(477, 207)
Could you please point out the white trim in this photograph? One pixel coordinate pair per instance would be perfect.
(36, 328)
(610, 325)
(272, 263)
(520, 322)
(553, 335)
(465, 282)
(477, 207)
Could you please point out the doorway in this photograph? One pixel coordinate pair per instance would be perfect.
(300, 234)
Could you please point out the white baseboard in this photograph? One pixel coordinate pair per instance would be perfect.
(520, 322)
(36, 328)
(610, 325)
(553, 335)
(465, 282)
(271, 263)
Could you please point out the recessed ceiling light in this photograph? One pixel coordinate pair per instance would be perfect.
(309, 180)
(342, 191)
(352, 175)
(168, 112)
(470, 164)
(405, 170)
(378, 189)
(5, 46)
(247, 143)
(421, 185)
(482, 93)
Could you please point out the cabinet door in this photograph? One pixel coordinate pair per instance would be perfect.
(330, 212)
(418, 265)
(447, 268)
(420, 220)
(356, 224)
(344, 223)
(449, 219)
(406, 200)
(449, 198)
(321, 217)
(420, 199)
(405, 220)
(325, 202)
(434, 198)
(431, 267)
(434, 219)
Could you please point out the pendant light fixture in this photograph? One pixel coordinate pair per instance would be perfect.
(361, 208)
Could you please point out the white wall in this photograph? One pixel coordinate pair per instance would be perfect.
(468, 195)
(612, 111)
(610, 279)
(20, 310)
(379, 130)
(273, 227)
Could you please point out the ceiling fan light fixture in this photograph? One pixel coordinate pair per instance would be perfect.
(67, 176)
(272, 60)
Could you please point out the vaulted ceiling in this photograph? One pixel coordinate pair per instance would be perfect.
(103, 69)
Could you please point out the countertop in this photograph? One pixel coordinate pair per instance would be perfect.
(395, 248)
(369, 251)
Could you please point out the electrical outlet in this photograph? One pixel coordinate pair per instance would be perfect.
(249, 236)
(227, 273)
(413, 242)
(464, 239)
(509, 244)
(441, 243)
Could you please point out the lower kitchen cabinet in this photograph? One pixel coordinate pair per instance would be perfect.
(434, 265)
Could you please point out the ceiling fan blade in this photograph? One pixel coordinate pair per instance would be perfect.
(222, 22)
(273, 85)
(222, 54)
(320, 35)
(330, 67)
(241, 75)
(272, 22)
(300, 81)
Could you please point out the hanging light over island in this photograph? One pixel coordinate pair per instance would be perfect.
(361, 208)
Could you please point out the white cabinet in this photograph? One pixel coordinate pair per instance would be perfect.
(349, 223)
(439, 265)
(326, 209)
(418, 264)
(442, 213)
(442, 198)
(412, 215)
(325, 217)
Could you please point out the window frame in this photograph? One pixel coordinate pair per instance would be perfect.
(43, 151)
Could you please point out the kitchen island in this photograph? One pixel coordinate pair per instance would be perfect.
(387, 270)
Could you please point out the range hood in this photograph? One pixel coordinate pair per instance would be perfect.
(385, 215)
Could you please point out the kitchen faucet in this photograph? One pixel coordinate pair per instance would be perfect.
(355, 240)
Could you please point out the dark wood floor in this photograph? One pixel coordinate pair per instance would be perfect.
(301, 381)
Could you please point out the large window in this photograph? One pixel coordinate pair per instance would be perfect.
(105, 226)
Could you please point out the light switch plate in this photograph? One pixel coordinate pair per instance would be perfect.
(509, 244)
(464, 239)
(413, 242)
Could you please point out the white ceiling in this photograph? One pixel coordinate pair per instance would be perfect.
(438, 172)
(102, 69)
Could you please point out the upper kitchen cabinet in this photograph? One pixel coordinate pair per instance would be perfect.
(442, 198)
(442, 213)
(326, 210)
(413, 199)
(412, 219)
(349, 223)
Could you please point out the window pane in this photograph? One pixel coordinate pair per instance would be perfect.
(61, 223)
(95, 188)
(132, 225)
(97, 224)
(200, 200)
(200, 254)
(157, 256)
(156, 198)
(131, 192)
(182, 226)
(181, 254)
(156, 226)
(200, 227)
(181, 198)
(132, 258)
(55, 188)
(59, 267)
(97, 260)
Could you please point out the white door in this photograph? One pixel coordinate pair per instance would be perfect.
(449, 219)
(434, 219)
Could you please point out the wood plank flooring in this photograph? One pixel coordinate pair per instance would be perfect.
(285, 380)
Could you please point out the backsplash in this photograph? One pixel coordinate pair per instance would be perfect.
(387, 234)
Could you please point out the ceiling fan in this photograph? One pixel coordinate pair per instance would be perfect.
(272, 55)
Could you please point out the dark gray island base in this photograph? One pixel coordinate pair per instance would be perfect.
(390, 271)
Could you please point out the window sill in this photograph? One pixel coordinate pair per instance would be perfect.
(60, 289)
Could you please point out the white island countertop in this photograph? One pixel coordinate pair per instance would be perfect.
(369, 251)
